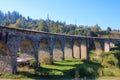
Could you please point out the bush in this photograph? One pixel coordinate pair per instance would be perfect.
(117, 55)
(33, 64)
(18, 54)
(106, 59)
(108, 72)
(87, 72)
(110, 60)
(100, 72)
(77, 74)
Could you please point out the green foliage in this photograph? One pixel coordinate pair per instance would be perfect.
(87, 72)
(21, 22)
(14, 19)
(96, 28)
(109, 59)
(109, 29)
(67, 69)
(12, 76)
(42, 26)
(33, 64)
(111, 71)
(18, 54)
(106, 59)
(77, 74)
(110, 62)
(6, 22)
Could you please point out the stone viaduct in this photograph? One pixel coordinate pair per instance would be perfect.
(31, 42)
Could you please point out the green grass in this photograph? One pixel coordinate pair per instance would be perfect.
(67, 69)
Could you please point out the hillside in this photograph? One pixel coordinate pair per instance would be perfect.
(14, 19)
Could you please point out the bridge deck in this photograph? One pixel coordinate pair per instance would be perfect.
(60, 34)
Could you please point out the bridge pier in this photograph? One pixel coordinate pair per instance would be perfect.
(36, 51)
(107, 46)
(84, 49)
(63, 48)
(13, 43)
(80, 55)
(51, 45)
(14, 62)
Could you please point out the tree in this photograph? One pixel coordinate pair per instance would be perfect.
(1, 17)
(109, 29)
(42, 26)
(21, 22)
(96, 28)
(30, 24)
(6, 23)
(14, 16)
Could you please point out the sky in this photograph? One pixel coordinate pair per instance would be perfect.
(105, 13)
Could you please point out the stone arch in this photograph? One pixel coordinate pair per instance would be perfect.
(5, 58)
(76, 49)
(68, 49)
(98, 47)
(57, 50)
(25, 51)
(44, 52)
(83, 49)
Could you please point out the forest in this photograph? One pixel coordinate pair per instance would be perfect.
(17, 20)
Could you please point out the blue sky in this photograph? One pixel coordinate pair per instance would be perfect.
(81, 12)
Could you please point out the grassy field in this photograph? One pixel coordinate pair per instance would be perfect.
(67, 69)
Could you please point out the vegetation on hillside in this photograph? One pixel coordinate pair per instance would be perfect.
(14, 19)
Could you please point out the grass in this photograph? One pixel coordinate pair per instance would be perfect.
(67, 69)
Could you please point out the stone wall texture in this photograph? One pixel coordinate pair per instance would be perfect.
(44, 47)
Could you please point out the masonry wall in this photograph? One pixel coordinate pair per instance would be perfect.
(42, 43)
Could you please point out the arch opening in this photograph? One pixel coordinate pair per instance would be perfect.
(76, 49)
(5, 58)
(68, 49)
(44, 52)
(25, 52)
(57, 51)
(98, 48)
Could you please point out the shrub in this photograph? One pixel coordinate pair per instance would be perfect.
(106, 59)
(110, 60)
(87, 72)
(33, 64)
(107, 72)
(100, 72)
(18, 54)
(117, 55)
(77, 74)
